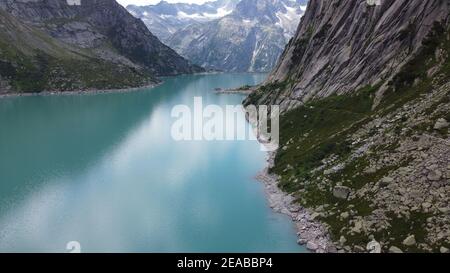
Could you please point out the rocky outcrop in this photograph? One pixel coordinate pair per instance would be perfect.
(343, 45)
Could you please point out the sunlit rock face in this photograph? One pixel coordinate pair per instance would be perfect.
(342, 45)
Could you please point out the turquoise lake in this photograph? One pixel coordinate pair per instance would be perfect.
(103, 170)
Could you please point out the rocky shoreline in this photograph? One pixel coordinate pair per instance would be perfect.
(239, 90)
(77, 92)
(310, 232)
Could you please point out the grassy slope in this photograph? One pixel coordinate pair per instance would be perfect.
(32, 61)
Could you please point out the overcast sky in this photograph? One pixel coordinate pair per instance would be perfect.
(148, 2)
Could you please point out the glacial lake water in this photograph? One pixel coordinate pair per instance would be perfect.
(103, 170)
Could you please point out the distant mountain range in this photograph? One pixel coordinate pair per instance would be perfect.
(228, 35)
(164, 19)
(53, 46)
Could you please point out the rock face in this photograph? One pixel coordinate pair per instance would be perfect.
(365, 93)
(342, 46)
(94, 33)
(250, 38)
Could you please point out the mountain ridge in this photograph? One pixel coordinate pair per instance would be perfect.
(251, 38)
(164, 19)
(99, 35)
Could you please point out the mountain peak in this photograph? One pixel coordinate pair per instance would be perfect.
(231, 35)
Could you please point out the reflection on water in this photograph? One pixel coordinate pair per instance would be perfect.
(104, 171)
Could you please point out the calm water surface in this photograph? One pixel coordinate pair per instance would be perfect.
(103, 170)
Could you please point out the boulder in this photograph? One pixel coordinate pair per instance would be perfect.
(312, 246)
(359, 249)
(370, 170)
(314, 216)
(358, 227)
(440, 124)
(394, 249)
(434, 175)
(341, 192)
(344, 215)
(385, 181)
(444, 210)
(426, 205)
(410, 240)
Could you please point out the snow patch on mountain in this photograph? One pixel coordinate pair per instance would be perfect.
(230, 35)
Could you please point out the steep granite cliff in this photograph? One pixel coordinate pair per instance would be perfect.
(342, 45)
(364, 142)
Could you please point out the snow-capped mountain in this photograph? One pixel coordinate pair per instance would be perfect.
(251, 38)
(228, 35)
(164, 19)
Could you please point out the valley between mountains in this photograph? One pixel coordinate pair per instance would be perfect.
(364, 91)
